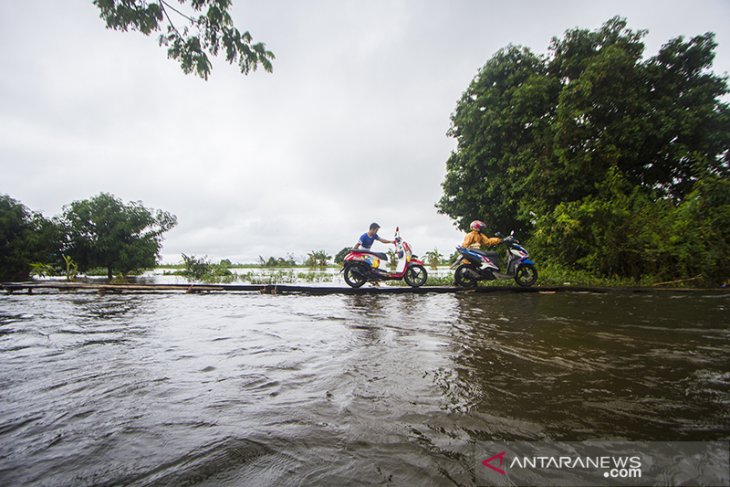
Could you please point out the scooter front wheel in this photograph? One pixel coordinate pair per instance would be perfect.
(416, 276)
(464, 276)
(526, 275)
(355, 275)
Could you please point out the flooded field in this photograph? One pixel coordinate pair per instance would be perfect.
(329, 276)
(250, 389)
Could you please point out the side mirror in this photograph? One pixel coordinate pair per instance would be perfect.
(512, 233)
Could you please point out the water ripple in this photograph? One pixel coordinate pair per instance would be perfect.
(343, 389)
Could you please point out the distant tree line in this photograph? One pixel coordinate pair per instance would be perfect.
(606, 162)
(102, 231)
(287, 261)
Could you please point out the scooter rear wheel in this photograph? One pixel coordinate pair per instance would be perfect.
(355, 275)
(464, 276)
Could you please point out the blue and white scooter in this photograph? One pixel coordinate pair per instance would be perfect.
(473, 266)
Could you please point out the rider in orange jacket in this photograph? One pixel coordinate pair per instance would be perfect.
(475, 239)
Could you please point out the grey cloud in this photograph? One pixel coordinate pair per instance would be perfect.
(349, 128)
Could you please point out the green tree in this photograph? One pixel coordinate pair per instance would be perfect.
(25, 238)
(662, 121)
(699, 228)
(501, 125)
(201, 269)
(196, 268)
(622, 159)
(192, 30)
(623, 231)
(317, 258)
(340, 256)
(103, 231)
(272, 261)
(607, 233)
(433, 257)
(535, 131)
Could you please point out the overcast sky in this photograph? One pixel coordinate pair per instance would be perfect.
(350, 127)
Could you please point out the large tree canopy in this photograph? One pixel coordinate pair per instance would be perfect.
(191, 32)
(25, 238)
(105, 232)
(15, 227)
(534, 131)
(604, 157)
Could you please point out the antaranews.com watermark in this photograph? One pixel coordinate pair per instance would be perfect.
(603, 463)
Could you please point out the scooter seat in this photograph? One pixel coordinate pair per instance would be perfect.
(379, 255)
(489, 255)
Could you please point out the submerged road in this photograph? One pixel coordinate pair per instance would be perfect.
(101, 288)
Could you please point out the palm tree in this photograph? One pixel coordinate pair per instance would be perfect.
(317, 258)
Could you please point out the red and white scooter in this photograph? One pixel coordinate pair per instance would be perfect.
(361, 266)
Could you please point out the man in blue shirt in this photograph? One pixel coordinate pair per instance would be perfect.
(367, 238)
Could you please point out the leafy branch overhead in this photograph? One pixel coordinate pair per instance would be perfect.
(193, 29)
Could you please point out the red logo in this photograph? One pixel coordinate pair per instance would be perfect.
(488, 463)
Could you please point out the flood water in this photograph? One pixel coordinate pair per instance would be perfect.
(250, 389)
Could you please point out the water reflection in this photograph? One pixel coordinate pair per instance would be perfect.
(595, 366)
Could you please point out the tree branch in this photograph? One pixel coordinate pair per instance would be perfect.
(192, 20)
(164, 11)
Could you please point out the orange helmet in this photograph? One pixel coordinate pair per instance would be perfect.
(477, 225)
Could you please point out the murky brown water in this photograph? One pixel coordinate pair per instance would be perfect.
(247, 389)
